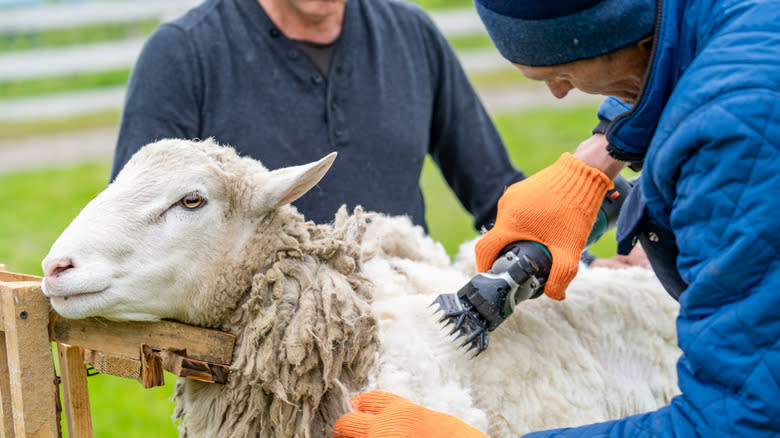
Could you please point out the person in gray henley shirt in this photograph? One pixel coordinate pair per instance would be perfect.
(288, 81)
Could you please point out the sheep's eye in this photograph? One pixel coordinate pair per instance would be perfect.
(192, 201)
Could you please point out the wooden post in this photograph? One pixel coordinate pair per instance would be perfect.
(6, 410)
(7, 426)
(30, 366)
(75, 393)
(11, 277)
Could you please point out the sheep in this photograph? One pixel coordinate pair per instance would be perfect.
(190, 231)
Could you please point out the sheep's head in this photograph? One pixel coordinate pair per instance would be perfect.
(152, 241)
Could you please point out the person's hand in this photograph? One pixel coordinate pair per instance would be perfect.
(636, 257)
(555, 207)
(380, 414)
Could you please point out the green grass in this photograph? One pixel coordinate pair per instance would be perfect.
(123, 408)
(501, 78)
(38, 205)
(10, 42)
(80, 82)
(12, 130)
(478, 41)
(444, 4)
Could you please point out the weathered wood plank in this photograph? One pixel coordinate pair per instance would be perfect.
(194, 369)
(6, 416)
(11, 277)
(113, 365)
(30, 366)
(73, 375)
(124, 339)
(151, 368)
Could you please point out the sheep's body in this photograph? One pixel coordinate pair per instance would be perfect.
(605, 352)
(324, 311)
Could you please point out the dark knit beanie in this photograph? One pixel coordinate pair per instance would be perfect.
(553, 32)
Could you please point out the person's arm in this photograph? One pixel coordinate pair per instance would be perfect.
(162, 95)
(473, 159)
(471, 155)
(464, 143)
(637, 257)
(593, 152)
(724, 217)
(555, 207)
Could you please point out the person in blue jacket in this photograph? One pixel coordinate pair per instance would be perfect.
(695, 101)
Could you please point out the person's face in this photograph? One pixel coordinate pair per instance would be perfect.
(619, 74)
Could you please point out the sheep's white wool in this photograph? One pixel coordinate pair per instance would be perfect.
(605, 352)
(320, 312)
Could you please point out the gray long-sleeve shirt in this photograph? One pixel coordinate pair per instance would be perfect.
(395, 92)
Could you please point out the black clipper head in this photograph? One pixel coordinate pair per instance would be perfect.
(465, 320)
(489, 298)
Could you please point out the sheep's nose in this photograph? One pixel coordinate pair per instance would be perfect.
(55, 267)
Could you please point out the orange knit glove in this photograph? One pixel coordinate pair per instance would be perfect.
(380, 414)
(556, 207)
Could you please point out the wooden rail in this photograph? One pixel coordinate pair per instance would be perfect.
(29, 388)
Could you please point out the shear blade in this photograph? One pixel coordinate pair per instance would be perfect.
(479, 343)
(450, 304)
(467, 322)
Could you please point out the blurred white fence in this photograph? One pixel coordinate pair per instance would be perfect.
(114, 55)
(67, 15)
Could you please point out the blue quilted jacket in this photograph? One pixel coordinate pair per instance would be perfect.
(708, 128)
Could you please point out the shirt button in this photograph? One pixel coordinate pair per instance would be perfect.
(274, 33)
(292, 54)
(653, 237)
(316, 79)
(339, 133)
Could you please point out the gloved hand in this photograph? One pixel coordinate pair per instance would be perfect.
(556, 207)
(380, 414)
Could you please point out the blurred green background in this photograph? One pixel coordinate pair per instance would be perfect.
(37, 205)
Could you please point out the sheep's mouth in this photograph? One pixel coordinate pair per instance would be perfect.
(66, 299)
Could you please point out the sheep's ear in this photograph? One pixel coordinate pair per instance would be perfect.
(287, 184)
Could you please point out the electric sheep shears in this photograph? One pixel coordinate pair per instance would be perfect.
(519, 273)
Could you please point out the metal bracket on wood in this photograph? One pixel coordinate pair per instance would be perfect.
(91, 371)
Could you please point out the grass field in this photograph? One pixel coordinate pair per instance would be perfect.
(37, 206)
